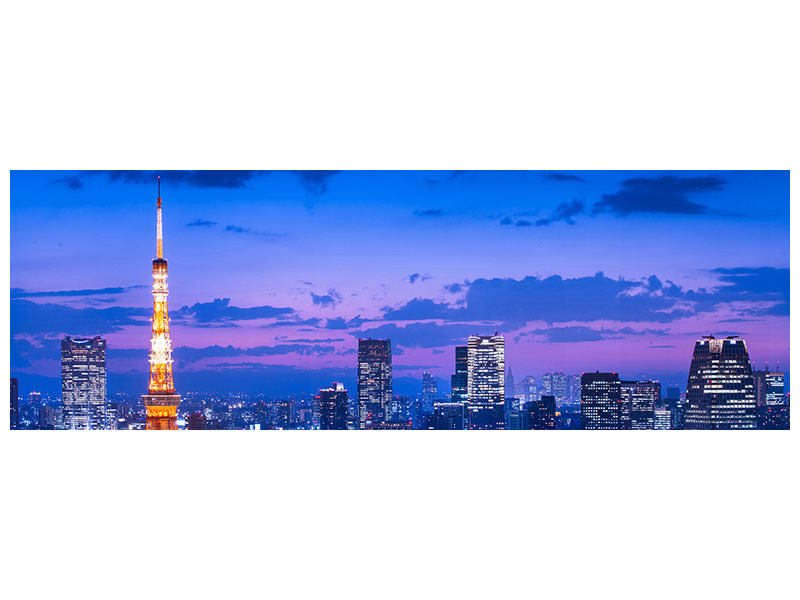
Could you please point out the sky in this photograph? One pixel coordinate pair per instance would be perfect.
(274, 275)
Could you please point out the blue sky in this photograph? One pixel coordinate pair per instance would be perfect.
(275, 275)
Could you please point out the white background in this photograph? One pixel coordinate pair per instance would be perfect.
(368, 85)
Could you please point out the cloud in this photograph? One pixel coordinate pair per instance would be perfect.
(506, 221)
(523, 223)
(220, 311)
(414, 277)
(658, 195)
(315, 182)
(563, 212)
(197, 179)
(201, 223)
(21, 293)
(73, 183)
(455, 288)
(31, 318)
(429, 212)
(556, 299)
(420, 335)
(580, 333)
(551, 176)
(194, 354)
(268, 235)
(329, 300)
(341, 323)
(454, 175)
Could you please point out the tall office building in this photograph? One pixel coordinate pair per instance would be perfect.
(374, 381)
(458, 381)
(541, 414)
(601, 401)
(486, 382)
(83, 383)
(530, 391)
(573, 390)
(333, 407)
(555, 384)
(510, 388)
(161, 402)
(720, 392)
(639, 399)
(14, 416)
(430, 391)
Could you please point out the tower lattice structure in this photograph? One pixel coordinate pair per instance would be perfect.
(161, 401)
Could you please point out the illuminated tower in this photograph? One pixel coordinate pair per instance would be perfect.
(161, 401)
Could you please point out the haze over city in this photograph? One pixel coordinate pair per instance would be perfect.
(274, 276)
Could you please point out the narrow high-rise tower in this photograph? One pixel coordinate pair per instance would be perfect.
(161, 401)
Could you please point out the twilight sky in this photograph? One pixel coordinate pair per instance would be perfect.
(274, 275)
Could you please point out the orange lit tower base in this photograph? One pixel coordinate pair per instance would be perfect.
(161, 401)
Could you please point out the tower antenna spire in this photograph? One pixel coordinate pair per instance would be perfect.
(159, 237)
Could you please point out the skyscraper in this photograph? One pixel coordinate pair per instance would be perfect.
(333, 407)
(774, 389)
(83, 383)
(161, 402)
(530, 390)
(720, 392)
(600, 401)
(374, 380)
(486, 382)
(458, 381)
(639, 399)
(555, 384)
(14, 399)
(430, 390)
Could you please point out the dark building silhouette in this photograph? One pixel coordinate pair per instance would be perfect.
(600, 401)
(374, 380)
(83, 383)
(333, 407)
(773, 416)
(720, 393)
(459, 379)
(196, 421)
(447, 415)
(541, 414)
(14, 420)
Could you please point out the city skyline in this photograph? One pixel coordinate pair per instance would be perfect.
(580, 271)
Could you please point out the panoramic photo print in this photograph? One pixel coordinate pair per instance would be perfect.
(399, 300)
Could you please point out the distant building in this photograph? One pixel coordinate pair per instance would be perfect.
(573, 390)
(448, 416)
(458, 381)
(774, 389)
(662, 419)
(374, 380)
(83, 383)
(430, 391)
(600, 401)
(555, 384)
(542, 413)
(283, 413)
(196, 421)
(14, 401)
(530, 391)
(720, 393)
(510, 387)
(486, 382)
(333, 407)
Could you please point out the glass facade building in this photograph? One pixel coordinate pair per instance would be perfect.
(486, 382)
(720, 393)
(601, 401)
(83, 383)
(374, 381)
